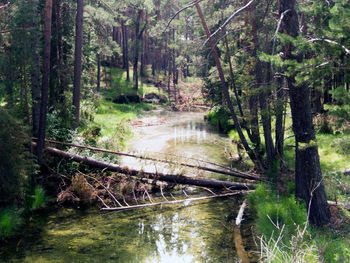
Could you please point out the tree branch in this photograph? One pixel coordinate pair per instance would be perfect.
(228, 20)
(347, 51)
(179, 11)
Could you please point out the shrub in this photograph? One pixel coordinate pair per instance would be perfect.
(15, 163)
(40, 199)
(10, 221)
(219, 117)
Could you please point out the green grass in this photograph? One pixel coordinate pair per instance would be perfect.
(119, 85)
(331, 156)
(114, 119)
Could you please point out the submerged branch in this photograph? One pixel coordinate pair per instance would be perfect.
(173, 202)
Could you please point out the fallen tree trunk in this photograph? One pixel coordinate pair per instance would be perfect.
(170, 178)
(198, 167)
(171, 202)
(346, 206)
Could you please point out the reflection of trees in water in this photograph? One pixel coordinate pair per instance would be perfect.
(203, 230)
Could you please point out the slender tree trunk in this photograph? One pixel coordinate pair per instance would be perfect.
(25, 84)
(252, 154)
(308, 177)
(35, 70)
(264, 110)
(77, 61)
(279, 112)
(126, 52)
(45, 80)
(98, 72)
(136, 51)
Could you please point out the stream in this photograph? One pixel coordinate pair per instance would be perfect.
(189, 232)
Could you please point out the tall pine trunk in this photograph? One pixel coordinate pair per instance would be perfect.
(308, 177)
(77, 62)
(35, 69)
(45, 79)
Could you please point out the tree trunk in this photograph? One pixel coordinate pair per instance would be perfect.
(35, 70)
(77, 61)
(308, 177)
(254, 156)
(98, 72)
(264, 110)
(45, 79)
(136, 50)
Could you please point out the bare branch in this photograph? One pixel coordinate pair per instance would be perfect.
(179, 11)
(275, 35)
(347, 51)
(228, 20)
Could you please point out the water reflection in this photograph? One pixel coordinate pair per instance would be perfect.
(184, 134)
(198, 232)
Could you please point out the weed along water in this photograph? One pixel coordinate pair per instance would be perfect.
(201, 231)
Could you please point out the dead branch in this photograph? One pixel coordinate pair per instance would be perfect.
(239, 217)
(346, 206)
(173, 202)
(111, 195)
(179, 11)
(347, 51)
(228, 20)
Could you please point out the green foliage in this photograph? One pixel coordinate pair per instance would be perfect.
(40, 199)
(59, 126)
(274, 212)
(10, 221)
(219, 117)
(15, 163)
(337, 251)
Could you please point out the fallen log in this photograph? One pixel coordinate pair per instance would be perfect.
(241, 252)
(346, 206)
(170, 178)
(198, 167)
(171, 202)
(239, 217)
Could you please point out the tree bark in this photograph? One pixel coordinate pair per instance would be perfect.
(308, 177)
(45, 79)
(77, 62)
